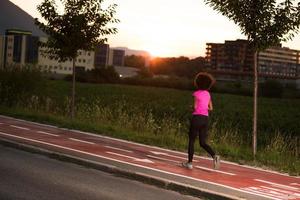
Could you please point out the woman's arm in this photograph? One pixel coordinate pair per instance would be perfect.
(210, 106)
(195, 103)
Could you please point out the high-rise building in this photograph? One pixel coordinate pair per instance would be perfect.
(236, 57)
(230, 56)
(278, 61)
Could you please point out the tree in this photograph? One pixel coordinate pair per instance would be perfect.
(135, 61)
(179, 66)
(82, 26)
(265, 23)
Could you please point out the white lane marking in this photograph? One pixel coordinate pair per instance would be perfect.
(256, 190)
(136, 159)
(169, 155)
(214, 170)
(290, 193)
(278, 185)
(136, 165)
(127, 151)
(178, 152)
(46, 133)
(19, 127)
(166, 154)
(297, 184)
(144, 145)
(77, 140)
(159, 158)
(22, 120)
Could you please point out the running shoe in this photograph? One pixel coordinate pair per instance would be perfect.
(216, 162)
(187, 165)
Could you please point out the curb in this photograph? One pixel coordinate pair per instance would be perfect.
(141, 177)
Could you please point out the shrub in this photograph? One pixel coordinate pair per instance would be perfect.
(100, 75)
(19, 84)
(271, 88)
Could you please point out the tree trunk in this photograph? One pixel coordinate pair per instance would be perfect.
(73, 91)
(254, 142)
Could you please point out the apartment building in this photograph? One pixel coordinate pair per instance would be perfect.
(230, 56)
(278, 61)
(236, 57)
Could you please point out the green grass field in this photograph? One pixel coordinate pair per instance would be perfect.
(159, 116)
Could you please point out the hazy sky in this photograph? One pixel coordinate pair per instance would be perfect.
(166, 27)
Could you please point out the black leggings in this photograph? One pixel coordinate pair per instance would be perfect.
(199, 126)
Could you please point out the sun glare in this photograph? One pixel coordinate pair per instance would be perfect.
(159, 45)
(158, 51)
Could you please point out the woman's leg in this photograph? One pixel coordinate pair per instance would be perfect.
(192, 137)
(203, 133)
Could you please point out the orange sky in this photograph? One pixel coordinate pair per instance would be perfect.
(166, 27)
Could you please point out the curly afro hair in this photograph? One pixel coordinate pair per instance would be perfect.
(204, 81)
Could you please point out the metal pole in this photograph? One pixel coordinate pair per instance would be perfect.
(254, 142)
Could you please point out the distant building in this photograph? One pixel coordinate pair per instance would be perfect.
(101, 55)
(13, 17)
(278, 61)
(84, 61)
(236, 59)
(116, 57)
(230, 56)
(19, 47)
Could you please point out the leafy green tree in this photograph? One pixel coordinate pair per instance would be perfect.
(265, 23)
(81, 26)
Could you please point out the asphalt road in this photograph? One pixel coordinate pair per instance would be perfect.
(26, 176)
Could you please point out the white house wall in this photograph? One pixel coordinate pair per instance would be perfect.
(85, 59)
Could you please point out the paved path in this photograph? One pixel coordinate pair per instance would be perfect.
(231, 180)
(28, 176)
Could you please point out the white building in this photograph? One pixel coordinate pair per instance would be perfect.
(84, 61)
(20, 48)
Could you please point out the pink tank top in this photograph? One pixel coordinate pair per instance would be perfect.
(202, 98)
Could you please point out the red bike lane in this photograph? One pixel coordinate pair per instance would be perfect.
(259, 183)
